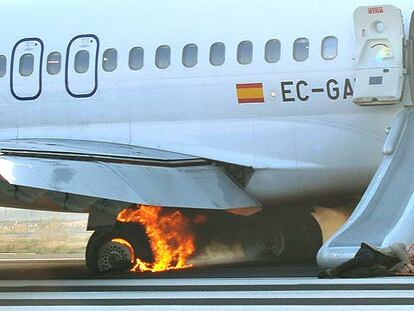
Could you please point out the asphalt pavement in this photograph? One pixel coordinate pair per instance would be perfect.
(69, 269)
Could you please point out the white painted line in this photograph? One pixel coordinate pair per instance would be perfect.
(34, 260)
(207, 281)
(120, 295)
(211, 308)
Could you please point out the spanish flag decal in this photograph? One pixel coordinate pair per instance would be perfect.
(250, 93)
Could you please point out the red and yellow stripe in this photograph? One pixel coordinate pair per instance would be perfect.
(248, 93)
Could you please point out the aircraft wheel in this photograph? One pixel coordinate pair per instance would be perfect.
(306, 237)
(282, 238)
(265, 241)
(115, 250)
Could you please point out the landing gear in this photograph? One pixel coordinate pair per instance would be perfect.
(271, 236)
(116, 249)
(265, 240)
(287, 238)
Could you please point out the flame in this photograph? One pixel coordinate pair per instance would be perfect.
(170, 236)
(127, 245)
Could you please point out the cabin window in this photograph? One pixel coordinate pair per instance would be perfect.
(163, 57)
(54, 63)
(190, 55)
(110, 60)
(301, 49)
(272, 51)
(81, 61)
(329, 48)
(245, 52)
(217, 54)
(3, 63)
(136, 58)
(26, 65)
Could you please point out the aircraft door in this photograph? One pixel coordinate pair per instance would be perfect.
(410, 60)
(82, 66)
(379, 55)
(26, 69)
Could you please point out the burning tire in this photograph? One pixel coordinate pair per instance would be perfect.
(115, 250)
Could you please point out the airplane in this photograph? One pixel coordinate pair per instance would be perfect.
(235, 109)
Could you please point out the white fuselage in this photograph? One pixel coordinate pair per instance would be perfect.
(300, 142)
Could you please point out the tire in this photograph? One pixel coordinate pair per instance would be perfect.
(306, 235)
(288, 238)
(265, 240)
(96, 241)
(134, 234)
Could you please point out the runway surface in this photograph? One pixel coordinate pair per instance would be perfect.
(66, 285)
(64, 269)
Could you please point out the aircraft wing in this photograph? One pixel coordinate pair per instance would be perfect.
(121, 173)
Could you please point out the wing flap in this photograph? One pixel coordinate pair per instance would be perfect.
(201, 185)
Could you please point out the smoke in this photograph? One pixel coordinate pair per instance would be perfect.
(204, 240)
(217, 252)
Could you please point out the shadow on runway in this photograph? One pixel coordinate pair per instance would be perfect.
(76, 269)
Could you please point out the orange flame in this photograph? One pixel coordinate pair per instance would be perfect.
(170, 237)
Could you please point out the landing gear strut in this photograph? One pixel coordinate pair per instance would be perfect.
(116, 249)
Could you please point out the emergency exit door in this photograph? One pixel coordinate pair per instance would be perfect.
(410, 59)
(82, 66)
(26, 69)
(379, 55)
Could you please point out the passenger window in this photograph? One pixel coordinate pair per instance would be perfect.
(110, 60)
(163, 57)
(245, 52)
(190, 55)
(26, 65)
(136, 58)
(272, 51)
(329, 48)
(301, 49)
(54, 63)
(3, 63)
(81, 61)
(217, 54)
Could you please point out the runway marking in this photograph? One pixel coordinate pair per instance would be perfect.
(154, 295)
(204, 294)
(209, 308)
(214, 308)
(209, 281)
(17, 260)
(212, 302)
(210, 288)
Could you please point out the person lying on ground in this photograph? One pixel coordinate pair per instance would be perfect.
(373, 261)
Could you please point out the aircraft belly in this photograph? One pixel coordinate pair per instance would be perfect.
(327, 159)
(294, 157)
